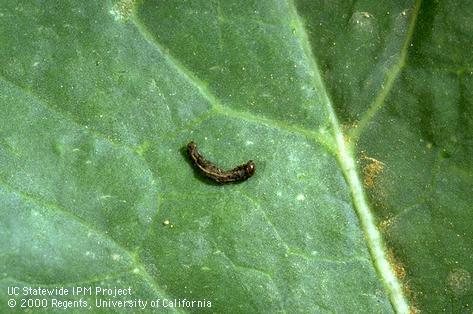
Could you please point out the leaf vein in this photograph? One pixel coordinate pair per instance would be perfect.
(392, 75)
(319, 137)
(57, 208)
(374, 239)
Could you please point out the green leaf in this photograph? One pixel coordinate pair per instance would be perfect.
(358, 117)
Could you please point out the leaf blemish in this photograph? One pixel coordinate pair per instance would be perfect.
(386, 224)
(116, 257)
(459, 281)
(371, 171)
(397, 266)
(122, 10)
(361, 18)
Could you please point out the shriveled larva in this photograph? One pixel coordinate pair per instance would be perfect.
(207, 168)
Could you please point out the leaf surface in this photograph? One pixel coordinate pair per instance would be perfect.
(357, 115)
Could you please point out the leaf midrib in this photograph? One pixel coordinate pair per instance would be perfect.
(344, 153)
(373, 237)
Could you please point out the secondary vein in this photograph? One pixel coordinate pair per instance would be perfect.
(391, 77)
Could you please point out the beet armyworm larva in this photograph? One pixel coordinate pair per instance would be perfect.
(207, 168)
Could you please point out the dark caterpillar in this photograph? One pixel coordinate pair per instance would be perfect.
(211, 171)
